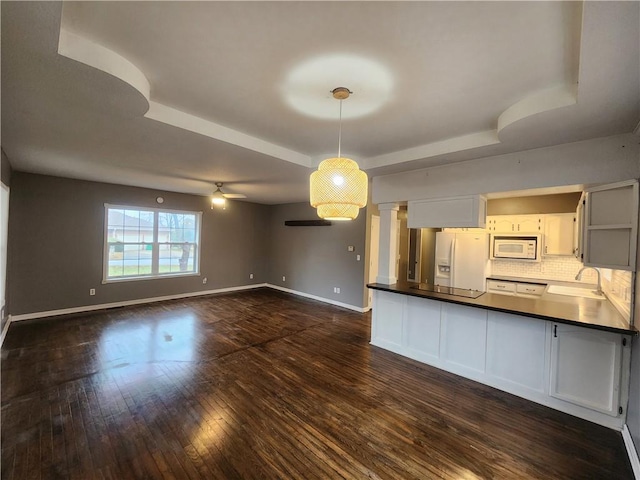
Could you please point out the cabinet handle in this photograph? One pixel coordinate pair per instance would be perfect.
(555, 330)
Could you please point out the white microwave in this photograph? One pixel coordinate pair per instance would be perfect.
(515, 247)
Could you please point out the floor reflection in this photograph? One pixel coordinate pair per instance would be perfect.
(135, 352)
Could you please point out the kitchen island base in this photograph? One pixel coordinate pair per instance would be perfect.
(577, 370)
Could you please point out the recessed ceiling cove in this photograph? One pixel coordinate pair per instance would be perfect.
(180, 95)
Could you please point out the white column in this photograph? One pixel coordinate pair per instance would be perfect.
(388, 252)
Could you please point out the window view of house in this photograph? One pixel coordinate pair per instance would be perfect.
(150, 242)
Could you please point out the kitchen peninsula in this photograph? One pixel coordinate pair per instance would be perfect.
(571, 354)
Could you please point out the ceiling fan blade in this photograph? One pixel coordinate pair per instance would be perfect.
(234, 195)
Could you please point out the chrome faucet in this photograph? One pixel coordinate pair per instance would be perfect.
(579, 276)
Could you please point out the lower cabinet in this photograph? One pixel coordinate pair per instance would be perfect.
(517, 351)
(422, 329)
(464, 339)
(577, 370)
(386, 330)
(585, 367)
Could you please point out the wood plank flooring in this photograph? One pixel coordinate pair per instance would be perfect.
(262, 384)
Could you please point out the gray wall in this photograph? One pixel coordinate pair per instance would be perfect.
(315, 259)
(560, 203)
(56, 243)
(601, 160)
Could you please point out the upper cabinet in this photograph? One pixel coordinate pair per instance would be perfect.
(464, 211)
(515, 223)
(559, 234)
(610, 226)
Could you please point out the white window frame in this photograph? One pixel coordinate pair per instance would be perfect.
(155, 245)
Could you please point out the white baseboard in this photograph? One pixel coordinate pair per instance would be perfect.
(139, 301)
(631, 451)
(320, 299)
(102, 306)
(5, 330)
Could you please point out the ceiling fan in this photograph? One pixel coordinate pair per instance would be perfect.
(220, 198)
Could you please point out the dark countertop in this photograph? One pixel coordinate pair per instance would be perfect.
(583, 312)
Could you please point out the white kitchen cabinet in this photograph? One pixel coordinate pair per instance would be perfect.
(581, 371)
(386, 330)
(586, 367)
(515, 223)
(516, 351)
(558, 234)
(520, 289)
(578, 228)
(422, 329)
(503, 288)
(463, 339)
(611, 226)
(463, 211)
(529, 223)
(500, 223)
(530, 289)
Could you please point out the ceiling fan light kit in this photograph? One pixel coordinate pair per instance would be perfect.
(217, 198)
(338, 189)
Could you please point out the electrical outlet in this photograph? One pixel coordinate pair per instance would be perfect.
(92, 291)
(251, 275)
(350, 248)
(284, 279)
(204, 280)
(358, 258)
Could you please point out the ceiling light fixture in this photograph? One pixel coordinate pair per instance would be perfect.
(218, 197)
(338, 189)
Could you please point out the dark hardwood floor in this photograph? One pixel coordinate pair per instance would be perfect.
(261, 384)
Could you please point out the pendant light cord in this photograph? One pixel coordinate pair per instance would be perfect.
(340, 132)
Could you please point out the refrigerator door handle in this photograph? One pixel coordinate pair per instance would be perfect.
(452, 261)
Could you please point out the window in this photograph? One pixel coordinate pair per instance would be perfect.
(147, 242)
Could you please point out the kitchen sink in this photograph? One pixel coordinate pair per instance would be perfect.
(574, 292)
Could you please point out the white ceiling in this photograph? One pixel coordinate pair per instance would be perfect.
(179, 95)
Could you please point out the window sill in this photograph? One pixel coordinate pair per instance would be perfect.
(155, 277)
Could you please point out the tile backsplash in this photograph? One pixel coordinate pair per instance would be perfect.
(562, 268)
(617, 286)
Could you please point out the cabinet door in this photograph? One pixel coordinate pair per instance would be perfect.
(558, 234)
(585, 367)
(464, 211)
(578, 228)
(464, 339)
(422, 329)
(386, 325)
(611, 226)
(528, 224)
(516, 351)
(503, 288)
(503, 224)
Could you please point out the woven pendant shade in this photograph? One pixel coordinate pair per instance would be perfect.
(338, 189)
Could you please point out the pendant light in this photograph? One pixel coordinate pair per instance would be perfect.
(338, 189)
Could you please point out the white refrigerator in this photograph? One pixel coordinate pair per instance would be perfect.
(462, 260)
